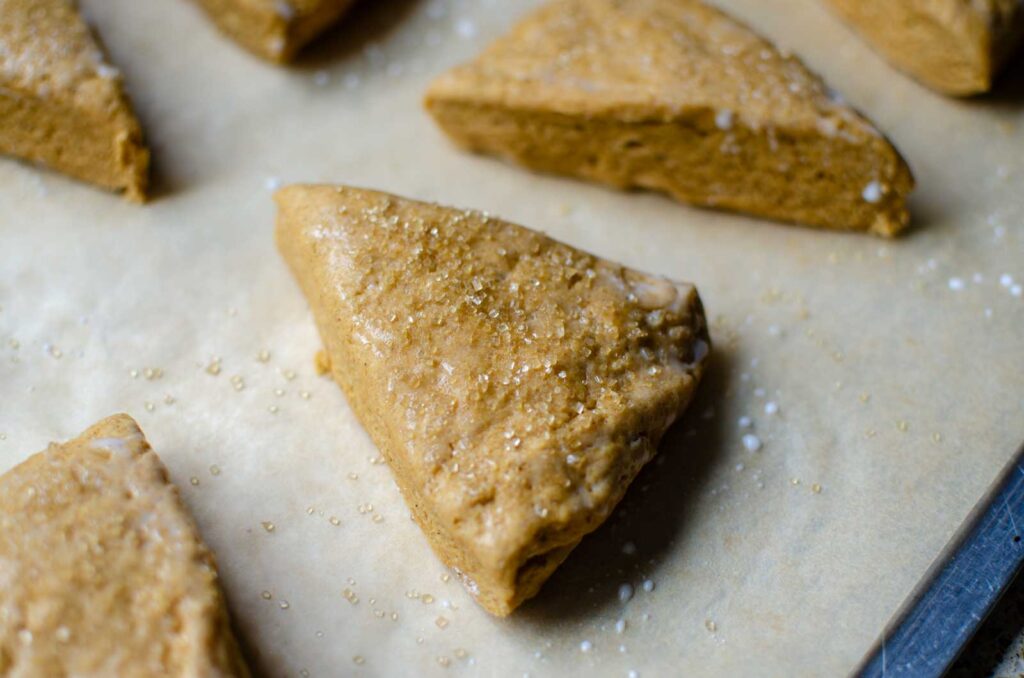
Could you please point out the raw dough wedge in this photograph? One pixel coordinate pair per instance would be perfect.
(61, 103)
(953, 46)
(102, 571)
(274, 29)
(514, 385)
(675, 96)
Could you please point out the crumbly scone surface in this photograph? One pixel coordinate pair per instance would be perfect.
(274, 29)
(102, 571)
(48, 52)
(674, 95)
(953, 46)
(61, 103)
(515, 384)
(648, 60)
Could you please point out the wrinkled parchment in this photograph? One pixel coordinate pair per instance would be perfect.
(897, 367)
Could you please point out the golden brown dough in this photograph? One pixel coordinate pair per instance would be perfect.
(61, 103)
(102, 571)
(274, 29)
(514, 385)
(674, 95)
(953, 46)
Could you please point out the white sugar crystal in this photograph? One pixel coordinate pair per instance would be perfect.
(724, 119)
(586, 646)
(771, 407)
(625, 593)
(745, 422)
(1006, 280)
(872, 193)
(751, 442)
(107, 72)
(648, 585)
(620, 626)
(956, 284)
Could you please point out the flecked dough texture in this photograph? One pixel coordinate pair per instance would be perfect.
(514, 385)
(102, 571)
(674, 95)
(61, 104)
(954, 46)
(274, 29)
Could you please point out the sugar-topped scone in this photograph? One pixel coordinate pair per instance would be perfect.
(274, 29)
(514, 385)
(953, 46)
(102, 571)
(674, 95)
(61, 103)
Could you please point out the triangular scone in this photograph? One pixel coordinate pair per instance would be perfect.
(102, 571)
(953, 46)
(674, 95)
(274, 29)
(515, 385)
(61, 103)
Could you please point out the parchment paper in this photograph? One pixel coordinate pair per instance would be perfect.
(899, 394)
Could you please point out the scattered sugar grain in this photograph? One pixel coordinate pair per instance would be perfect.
(752, 443)
(872, 193)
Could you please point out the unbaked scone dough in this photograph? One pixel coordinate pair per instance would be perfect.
(674, 95)
(515, 385)
(102, 571)
(61, 103)
(953, 46)
(274, 29)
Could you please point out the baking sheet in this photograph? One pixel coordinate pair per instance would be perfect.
(899, 394)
